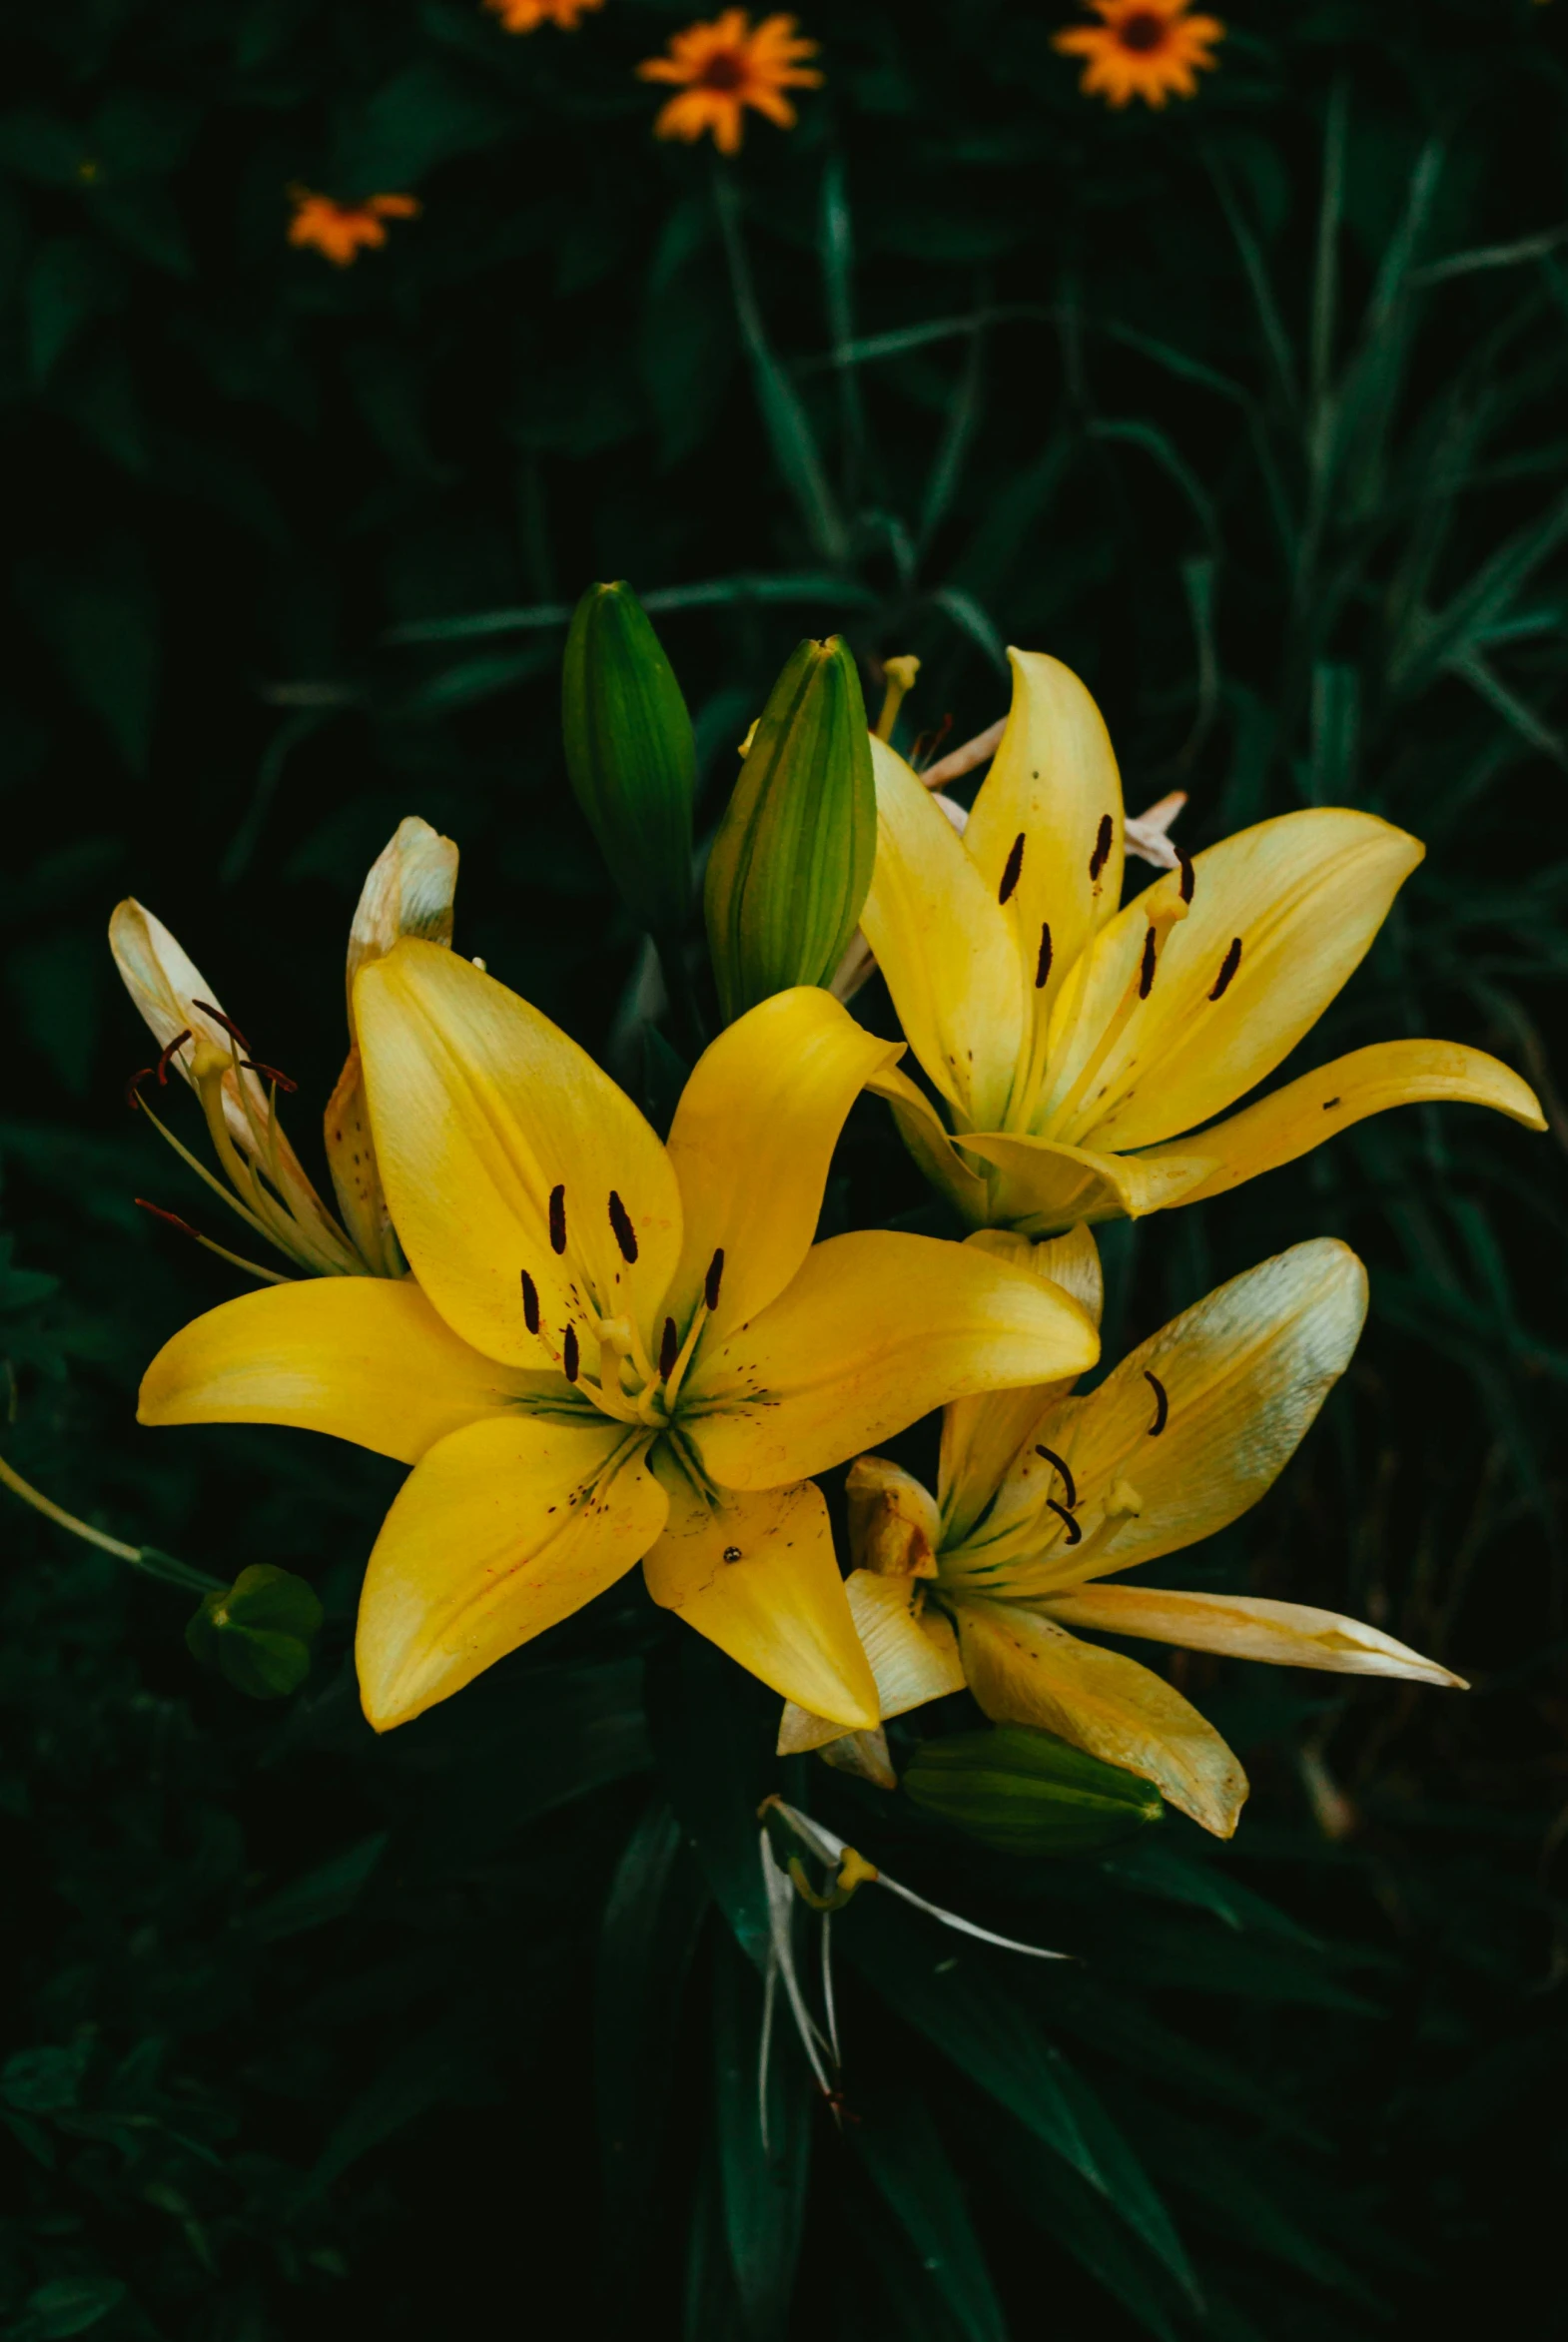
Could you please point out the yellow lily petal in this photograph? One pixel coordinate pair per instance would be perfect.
(876, 1331)
(1054, 786)
(1243, 1373)
(1025, 1670)
(914, 1657)
(496, 1134)
(1046, 1186)
(757, 1576)
(929, 1141)
(1304, 896)
(893, 1525)
(1294, 1120)
(982, 1436)
(364, 1359)
(166, 983)
(409, 892)
(945, 946)
(1246, 1626)
(752, 1141)
(503, 1529)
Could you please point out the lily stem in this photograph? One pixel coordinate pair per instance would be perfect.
(143, 1557)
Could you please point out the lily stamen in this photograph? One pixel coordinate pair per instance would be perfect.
(1162, 1404)
(1060, 1466)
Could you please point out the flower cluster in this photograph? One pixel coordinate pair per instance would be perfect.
(726, 67)
(595, 1347)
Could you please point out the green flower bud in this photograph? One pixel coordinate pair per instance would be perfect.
(791, 865)
(257, 1632)
(630, 753)
(1027, 1793)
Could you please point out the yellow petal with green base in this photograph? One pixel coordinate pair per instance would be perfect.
(1203, 1417)
(930, 1142)
(504, 1148)
(1056, 786)
(752, 1141)
(756, 1574)
(912, 1650)
(1023, 1669)
(1246, 1626)
(1044, 1186)
(945, 946)
(877, 1331)
(1294, 1120)
(1304, 897)
(364, 1359)
(503, 1529)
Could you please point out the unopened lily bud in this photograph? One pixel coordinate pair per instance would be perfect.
(791, 865)
(630, 753)
(257, 1632)
(1025, 1792)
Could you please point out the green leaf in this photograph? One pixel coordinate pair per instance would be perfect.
(325, 1892)
(762, 2182)
(72, 281)
(257, 1632)
(69, 2305)
(713, 1728)
(897, 2141)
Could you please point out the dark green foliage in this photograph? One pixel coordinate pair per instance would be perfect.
(1025, 1792)
(257, 1632)
(1253, 410)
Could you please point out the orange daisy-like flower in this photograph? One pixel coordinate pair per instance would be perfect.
(722, 68)
(1145, 49)
(526, 16)
(341, 231)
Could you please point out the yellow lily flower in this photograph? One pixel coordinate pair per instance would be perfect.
(408, 891)
(1042, 1495)
(611, 1349)
(1072, 1041)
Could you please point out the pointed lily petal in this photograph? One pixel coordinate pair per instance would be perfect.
(503, 1529)
(945, 946)
(408, 891)
(1304, 897)
(1294, 1120)
(1243, 1373)
(496, 1134)
(981, 1437)
(1054, 785)
(362, 1358)
(877, 1331)
(752, 1141)
(1023, 1669)
(913, 1658)
(1046, 1186)
(927, 1137)
(1285, 1634)
(166, 983)
(757, 1576)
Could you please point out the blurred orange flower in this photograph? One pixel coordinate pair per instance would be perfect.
(723, 67)
(341, 231)
(526, 16)
(1148, 49)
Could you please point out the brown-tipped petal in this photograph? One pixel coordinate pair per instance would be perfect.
(1246, 1626)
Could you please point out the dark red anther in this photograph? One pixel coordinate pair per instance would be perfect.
(928, 743)
(173, 1217)
(228, 1023)
(166, 1054)
(557, 1219)
(1043, 964)
(1073, 1532)
(1228, 966)
(1102, 854)
(1145, 972)
(268, 1074)
(1012, 870)
(1058, 1465)
(669, 1350)
(133, 1088)
(569, 1356)
(1162, 1404)
(530, 1303)
(714, 1278)
(1188, 874)
(626, 1234)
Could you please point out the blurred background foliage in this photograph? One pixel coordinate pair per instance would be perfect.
(1252, 411)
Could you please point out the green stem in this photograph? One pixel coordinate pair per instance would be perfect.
(142, 1557)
